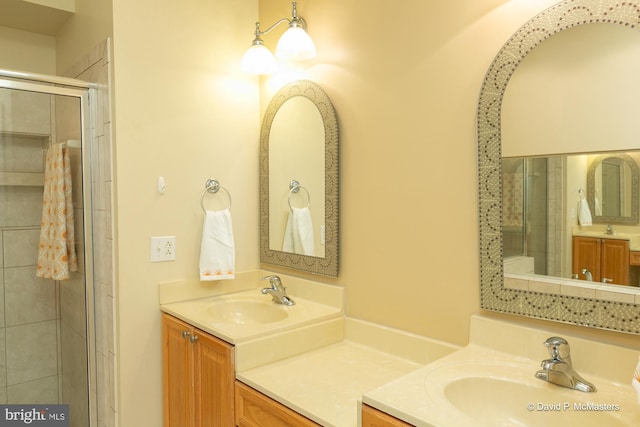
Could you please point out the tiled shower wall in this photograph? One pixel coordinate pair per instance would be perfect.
(95, 68)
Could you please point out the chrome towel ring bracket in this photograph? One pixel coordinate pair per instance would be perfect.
(212, 186)
(294, 188)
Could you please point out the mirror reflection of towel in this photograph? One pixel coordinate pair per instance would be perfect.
(584, 214)
(298, 235)
(217, 251)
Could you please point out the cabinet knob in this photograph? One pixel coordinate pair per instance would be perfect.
(185, 334)
(193, 338)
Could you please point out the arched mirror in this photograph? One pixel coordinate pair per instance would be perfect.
(299, 180)
(537, 141)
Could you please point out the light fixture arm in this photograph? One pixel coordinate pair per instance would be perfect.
(295, 21)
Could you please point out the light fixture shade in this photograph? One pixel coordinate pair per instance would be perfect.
(258, 60)
(295, 43)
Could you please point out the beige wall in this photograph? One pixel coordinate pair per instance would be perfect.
(405, 80)
(25, 51)
(184, 111)
(409, 245)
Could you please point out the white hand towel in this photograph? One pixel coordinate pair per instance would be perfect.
(635, 382)
(217, 251)
(584, 214)
(298, 234)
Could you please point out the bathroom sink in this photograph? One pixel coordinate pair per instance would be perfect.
(493, 389)
(240, 316)
(501, 402)
(492, 382)
(245, 311)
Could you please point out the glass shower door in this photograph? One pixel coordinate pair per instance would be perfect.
(43, 321)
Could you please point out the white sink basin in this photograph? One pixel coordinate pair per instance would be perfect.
(500, 402)
(241, 316)
(493, 389)
(245, 311)
(481, 387)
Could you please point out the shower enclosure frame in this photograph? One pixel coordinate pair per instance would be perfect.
(85, 93)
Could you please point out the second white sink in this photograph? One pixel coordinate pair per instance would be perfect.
(496, 402)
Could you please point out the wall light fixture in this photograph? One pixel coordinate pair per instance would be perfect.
(294, 44)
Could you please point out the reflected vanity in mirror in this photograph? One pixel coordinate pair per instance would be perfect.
(299, 180)
(556, 125)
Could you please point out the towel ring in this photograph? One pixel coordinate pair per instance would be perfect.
(294, 188)
(212, 186)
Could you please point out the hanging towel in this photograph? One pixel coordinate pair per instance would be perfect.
(598, 207)
(298, 234)
(57, 253)
(635, 382)
(217, 252)
(584, 214)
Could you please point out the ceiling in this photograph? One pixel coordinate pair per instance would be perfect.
(36, 16)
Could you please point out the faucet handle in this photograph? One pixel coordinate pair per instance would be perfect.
(274, 280)
(555, 345)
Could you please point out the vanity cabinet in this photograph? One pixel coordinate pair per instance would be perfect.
(371, 417)
(606, 259)
(198, 377)
(254, 409)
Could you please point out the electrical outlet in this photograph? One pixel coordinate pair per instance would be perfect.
(163, 248)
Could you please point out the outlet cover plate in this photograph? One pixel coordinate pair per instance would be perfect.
(163, 248)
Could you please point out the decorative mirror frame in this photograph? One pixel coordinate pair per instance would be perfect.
(327, 266)
(617, 316)
(591, 185)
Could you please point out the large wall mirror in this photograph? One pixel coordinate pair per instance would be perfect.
(299, 180)
(557, 132)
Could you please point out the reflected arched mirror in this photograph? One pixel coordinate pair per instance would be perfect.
(299, 180)
(612, 189)
(561, 92)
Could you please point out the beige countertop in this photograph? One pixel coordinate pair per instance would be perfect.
(326, 384)
(318, 362)
(632, 234)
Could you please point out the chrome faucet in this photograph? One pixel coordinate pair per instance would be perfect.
(277, 291)
(610, 230)
(587, 274)
(559, 370)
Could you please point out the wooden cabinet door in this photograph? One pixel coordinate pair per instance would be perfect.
(371, 417)
(214, 380)
(177, 370)
(614, 262)
(198, 373)
(586, 254)
(254, 409)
